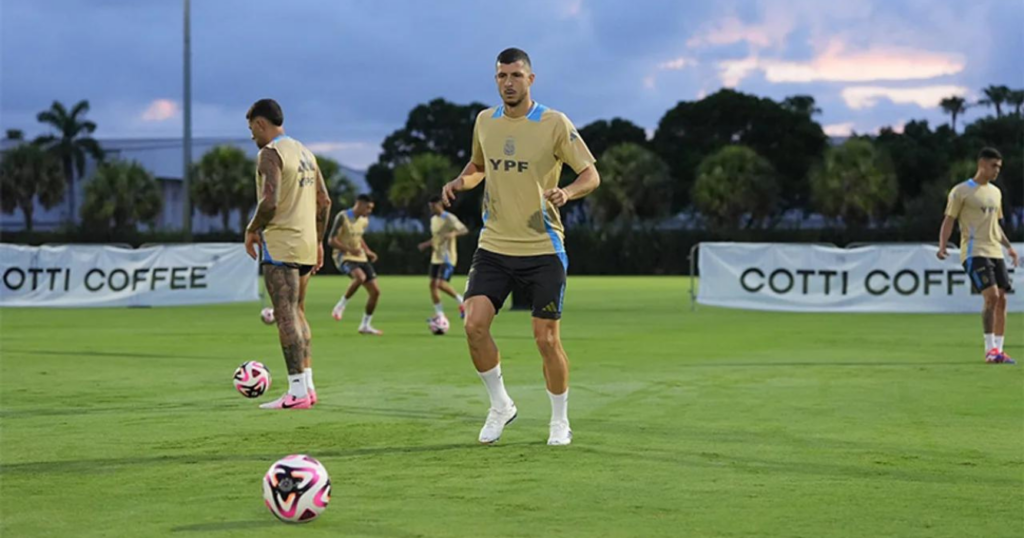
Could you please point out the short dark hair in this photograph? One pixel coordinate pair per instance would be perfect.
(365, 198)
(513, 55)
(267, 109)
(435, 199)
(989, 153)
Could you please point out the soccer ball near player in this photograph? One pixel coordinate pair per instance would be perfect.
(297, 489)
(267, 315)
(438, 325)
(252, 379)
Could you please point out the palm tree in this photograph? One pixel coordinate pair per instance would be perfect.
(635, 183)
(72, 143)
(954, 106)
(995, 96)
(855, 183)
(223, 180)
(1016, 98)
(28, 172)
(733, 183)
(121, 195)
(417, 179)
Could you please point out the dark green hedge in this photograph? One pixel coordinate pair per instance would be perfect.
(591, 252)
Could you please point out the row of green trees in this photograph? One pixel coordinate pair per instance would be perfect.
(739, 160)
(124, 194)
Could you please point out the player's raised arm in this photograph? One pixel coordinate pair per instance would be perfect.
(269, 166)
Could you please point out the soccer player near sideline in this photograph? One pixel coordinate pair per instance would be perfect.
(291, 217)
(353, 257)
(445, 227)
(520, 147)
(978, 206)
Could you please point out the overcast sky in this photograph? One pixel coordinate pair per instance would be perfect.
(348, 71)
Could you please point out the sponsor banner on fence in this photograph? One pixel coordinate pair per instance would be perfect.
(101, 275)
(812, 278)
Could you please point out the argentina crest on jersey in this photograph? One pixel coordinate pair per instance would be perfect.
(510, 146)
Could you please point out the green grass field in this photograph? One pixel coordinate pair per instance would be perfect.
(715, 423)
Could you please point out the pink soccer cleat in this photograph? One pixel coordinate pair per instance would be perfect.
(1005, 358)
(338, 312)
(995, 356)
(288, 402)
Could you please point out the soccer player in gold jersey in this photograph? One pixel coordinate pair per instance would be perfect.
(292, 210)
(445, 229)
(353, 257)
(520, 147)
(977, 205)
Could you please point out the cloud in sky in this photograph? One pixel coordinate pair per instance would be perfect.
(349, 72)
(859, 97)
(839, 129)
(161, 110)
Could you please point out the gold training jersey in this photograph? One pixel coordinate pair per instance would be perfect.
(444, 247)
(978, 209)
(290, 237)
(349, 230)
(521, 158)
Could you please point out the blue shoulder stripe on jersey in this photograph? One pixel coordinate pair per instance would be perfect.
(971, 183)
(537, 112)
(498, 111)
(278, 137)
(351, 215)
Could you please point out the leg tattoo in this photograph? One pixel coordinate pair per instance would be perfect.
(283, 287)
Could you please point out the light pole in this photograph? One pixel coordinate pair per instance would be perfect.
(187, 136)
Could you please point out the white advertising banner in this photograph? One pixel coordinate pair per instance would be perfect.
(101, 275)
(810, 278)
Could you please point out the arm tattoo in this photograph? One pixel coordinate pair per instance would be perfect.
(269, 167)
(323, 205)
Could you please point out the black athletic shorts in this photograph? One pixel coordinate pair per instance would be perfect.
(346, 268)
(442, 271)
(986, 272)
(543, 277)
(303, 269)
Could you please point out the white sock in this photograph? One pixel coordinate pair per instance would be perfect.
(559, 406)
(990, 342)
(439, 309)
(459, 298)
(308, 373)
(495, 387)
(297, 385)
(342, 302)
(998, 341)
(366, 319)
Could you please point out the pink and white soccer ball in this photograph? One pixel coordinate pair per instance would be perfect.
(252, 379)
(297, 489)
(267, 315)
(439, 325)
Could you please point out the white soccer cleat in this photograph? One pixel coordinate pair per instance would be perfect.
(338, 311)
(366, 329)
(560, 434)
(496, 421)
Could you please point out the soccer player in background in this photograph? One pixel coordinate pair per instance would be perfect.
(977, 205)
(520, 147)
(445, 227)
(293, 207)
(353, 257)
